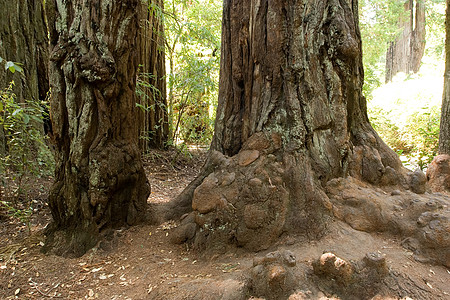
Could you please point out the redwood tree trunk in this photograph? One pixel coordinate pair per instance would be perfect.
(100, 181)
(406, 52)
(291, 117)
(24, 39)
(153, 121)
(444, 136)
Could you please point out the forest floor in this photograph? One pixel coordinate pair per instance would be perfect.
(143, 264)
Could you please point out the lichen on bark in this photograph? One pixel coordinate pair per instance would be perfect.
(100, 182)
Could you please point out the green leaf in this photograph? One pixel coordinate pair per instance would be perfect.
(18, 68)
(17, 111)
(36, 118)
(26, 118)
(13, 67)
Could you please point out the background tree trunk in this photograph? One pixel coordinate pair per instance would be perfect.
(406, 52)
(444, 136)
(153, 122)
(24, 39)
(291, 117)
(100, 181)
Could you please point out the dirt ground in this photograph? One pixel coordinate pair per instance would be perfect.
(141, 263)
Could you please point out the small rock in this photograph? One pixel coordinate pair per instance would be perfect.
(272, 276)
(255, 182)
(289, 258)
(410, 244)
(298, 296)
(438, 174)
(376, 262)
(187, 218)
(277, 274)
(257, 142)
(183, 233)
(206, 197)
(417, 181)
(396, 193)
(228, 179)
(246, 157)
(329, 265)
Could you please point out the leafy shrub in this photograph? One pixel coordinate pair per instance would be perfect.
(423, 131)
(417, 141)
(391, 134)
(26, 154)
(192, 33)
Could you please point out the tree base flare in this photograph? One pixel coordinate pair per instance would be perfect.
(73, 242)
(252, 198)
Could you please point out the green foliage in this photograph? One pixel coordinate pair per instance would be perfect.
(405, 112)
(148, 96)
(11, 66)
(390, 132)
(192, 31)
(435, 16)
(423, 129)
(416, 141)
(27, 154)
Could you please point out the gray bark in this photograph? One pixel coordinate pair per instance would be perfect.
(100, 181)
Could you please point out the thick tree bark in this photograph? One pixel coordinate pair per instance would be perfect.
(24, 39)
(406, 52)
(444, 135)
(291, 117)
(100, 181)
(153, 122)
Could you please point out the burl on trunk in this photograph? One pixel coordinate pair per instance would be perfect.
(100, 181)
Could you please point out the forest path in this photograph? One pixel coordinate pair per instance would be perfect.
(141, 263)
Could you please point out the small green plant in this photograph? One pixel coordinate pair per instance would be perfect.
(26, 155)
(11, 66)
(417, 141)
(389, 132)
(424, 131)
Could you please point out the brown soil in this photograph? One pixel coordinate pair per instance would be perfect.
(141, 263)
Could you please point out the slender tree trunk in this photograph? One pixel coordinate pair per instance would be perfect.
(444, 136)
(418, 39)
(291, 117)
(406, 52)
(154, 123)
(24, 39)
(171, 96)
(99, 181)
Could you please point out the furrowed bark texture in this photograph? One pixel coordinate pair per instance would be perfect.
(153, 122)
(291, 117)
(406, 52)
(100, 181)
(23, 39)
(444, 135)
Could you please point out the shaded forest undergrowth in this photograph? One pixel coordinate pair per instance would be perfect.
(142, 263)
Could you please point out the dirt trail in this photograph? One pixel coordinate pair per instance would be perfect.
(141, 263)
